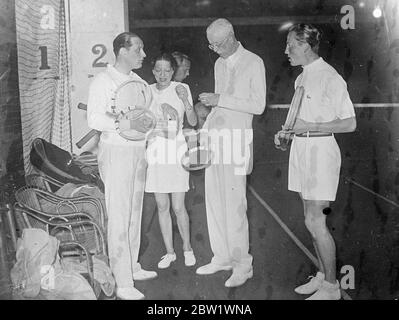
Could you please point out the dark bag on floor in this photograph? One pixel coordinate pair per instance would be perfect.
(59, 164)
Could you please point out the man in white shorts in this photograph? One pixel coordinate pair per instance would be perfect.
(315, 158)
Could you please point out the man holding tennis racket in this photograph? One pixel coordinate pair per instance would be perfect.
(315, 159)
(240, 92)
(121, 161)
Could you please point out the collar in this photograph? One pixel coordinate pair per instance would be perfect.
(314, 65)
(171, 85)
(231, 60)
(116, 73)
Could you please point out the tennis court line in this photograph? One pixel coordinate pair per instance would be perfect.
(372, 192)
(290, 233)
(356, 105)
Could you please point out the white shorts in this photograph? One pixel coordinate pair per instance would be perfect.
(314, 167)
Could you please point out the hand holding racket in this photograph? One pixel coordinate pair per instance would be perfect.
(136, 124)
(130, 108)
(134, 121)
(283, 138)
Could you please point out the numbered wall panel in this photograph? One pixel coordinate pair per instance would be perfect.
(43, 71)
(93, 26)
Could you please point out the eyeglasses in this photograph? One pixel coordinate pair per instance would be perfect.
(215, 46)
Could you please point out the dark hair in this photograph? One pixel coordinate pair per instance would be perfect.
(179, 57)
(122, 40)
(307, 33)
(166, 57)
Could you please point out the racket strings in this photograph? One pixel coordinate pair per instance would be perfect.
(131, 102)
(130, 95)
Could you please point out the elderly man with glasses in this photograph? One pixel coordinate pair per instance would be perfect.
(240, 92)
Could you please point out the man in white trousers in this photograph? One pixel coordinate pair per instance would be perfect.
(122, 167)
(240, 92)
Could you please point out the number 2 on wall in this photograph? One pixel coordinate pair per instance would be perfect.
(101, 50)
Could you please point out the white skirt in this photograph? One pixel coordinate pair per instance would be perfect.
(314, 167)
(165, 173)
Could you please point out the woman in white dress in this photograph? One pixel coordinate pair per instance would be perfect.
(166, 177)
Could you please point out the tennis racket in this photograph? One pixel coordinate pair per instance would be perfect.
(88, 136)
(129, 108)
(283, 137)
(134, 120)
(197, 156)
(196, 159)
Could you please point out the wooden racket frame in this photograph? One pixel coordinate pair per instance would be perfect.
(294, 108)
(160, 125)
(286, 132)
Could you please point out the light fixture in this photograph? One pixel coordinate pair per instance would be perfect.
(377, 13)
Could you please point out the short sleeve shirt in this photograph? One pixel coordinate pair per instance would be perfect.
(326, 97)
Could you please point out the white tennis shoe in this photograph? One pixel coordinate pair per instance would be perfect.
(166, 260)
(144, 275)
(129, 293)
(189, 258)
(327, 291)
(312, 286)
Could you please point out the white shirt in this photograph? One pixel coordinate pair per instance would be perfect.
(169, 95)
(241, 82)
(326, 97)
(101, 92)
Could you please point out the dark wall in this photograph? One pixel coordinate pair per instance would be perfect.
(166, 9)
(363, 56)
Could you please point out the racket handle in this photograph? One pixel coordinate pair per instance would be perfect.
(86, 138)
(82, 106)
(285, 140)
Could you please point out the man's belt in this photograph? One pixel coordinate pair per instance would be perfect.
(314, 134)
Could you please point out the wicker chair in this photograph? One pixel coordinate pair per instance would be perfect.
(43, 181)
(48, 184)
(37, 208)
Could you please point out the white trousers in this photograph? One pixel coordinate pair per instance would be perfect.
(226, 211)
(123, 170)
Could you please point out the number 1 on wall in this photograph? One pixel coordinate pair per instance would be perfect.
(44, 61)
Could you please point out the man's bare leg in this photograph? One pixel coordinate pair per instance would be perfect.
(305, 209)
(315, 221)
